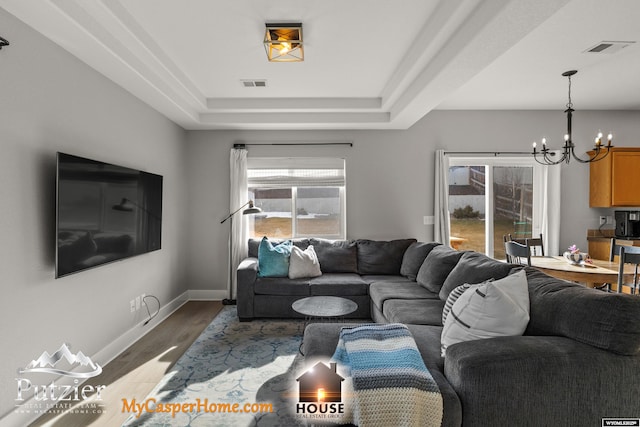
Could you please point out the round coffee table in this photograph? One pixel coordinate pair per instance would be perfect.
(321, 307)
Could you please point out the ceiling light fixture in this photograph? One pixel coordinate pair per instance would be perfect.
(283, 42)
(569, 147)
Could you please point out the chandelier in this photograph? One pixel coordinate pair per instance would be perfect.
(600, 151)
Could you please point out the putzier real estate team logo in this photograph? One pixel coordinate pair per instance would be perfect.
(46, 363)
(62, 363)
(320, 392)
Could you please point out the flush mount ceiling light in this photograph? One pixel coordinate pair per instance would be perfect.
(283, 42)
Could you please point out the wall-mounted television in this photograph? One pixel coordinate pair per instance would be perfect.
(105, 213)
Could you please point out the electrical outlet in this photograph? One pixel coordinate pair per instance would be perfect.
(132, 304)
(137, 303)
(609, 219)
(603, 220)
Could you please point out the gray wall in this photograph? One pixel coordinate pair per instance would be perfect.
(49, 101)
(390, 174)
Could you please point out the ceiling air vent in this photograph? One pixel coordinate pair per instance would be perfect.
(608, 47)
(254, 83)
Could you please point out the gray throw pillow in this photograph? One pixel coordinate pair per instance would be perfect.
(381, 257)
(336, 256)
(437, 266)
(474, 267)
(413, 258)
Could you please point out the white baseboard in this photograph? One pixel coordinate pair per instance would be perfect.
(126, 340)
(115, 348)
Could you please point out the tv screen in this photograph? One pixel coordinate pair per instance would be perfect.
(104, 213)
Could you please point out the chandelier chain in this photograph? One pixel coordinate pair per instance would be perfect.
(569, 104)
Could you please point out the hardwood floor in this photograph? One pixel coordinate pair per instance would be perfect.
(135, 372)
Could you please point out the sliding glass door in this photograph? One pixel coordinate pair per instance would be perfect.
(490, 198)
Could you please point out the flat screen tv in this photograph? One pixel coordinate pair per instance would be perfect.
(104, 213)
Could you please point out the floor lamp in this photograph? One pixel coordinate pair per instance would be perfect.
(249, 211)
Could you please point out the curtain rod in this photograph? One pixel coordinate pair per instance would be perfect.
(244, 145)
(494, 153)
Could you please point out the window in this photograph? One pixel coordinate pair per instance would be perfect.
(491, 197)
(299, 197)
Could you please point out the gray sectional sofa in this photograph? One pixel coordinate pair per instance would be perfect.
(577, 363)
(348, 269)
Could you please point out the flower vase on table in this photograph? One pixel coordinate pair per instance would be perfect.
(574, 256)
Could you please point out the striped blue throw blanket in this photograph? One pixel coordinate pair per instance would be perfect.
(387, 382)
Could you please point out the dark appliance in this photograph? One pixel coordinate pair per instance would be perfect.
(104, 213)
(627, 224)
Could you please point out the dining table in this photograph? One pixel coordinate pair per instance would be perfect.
(593, 273)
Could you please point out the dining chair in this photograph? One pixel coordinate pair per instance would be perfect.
(517, 253)
(535, 244)
(628, 255)
(614, 249)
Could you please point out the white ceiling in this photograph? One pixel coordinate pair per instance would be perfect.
(369, 64)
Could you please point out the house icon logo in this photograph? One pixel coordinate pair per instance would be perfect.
(76, 365)
(320, 383)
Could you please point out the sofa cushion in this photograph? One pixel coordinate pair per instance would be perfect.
(380, 292)
(474, 267)
(414, 311)
(381, 257)
(273, 260)
(413, 258)
(336, 256)
(437, 266)
(303, 263)
(281, 286)
(338, 284)
(492, 309)
(605, 320)
(370, 278)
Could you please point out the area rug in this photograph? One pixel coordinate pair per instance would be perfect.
(231, 362)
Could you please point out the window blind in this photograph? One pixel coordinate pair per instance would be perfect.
(295, 172)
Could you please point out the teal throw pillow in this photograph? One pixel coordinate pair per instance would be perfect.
(273, 261)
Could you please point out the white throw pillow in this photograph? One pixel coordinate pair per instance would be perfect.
(492, 309)
(452, 298)
(304, 263)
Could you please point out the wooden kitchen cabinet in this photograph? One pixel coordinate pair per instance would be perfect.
(613, 181)
(600, 247)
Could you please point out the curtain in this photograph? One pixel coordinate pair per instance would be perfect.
(441, 230)
(550, 214)
(238, 196)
